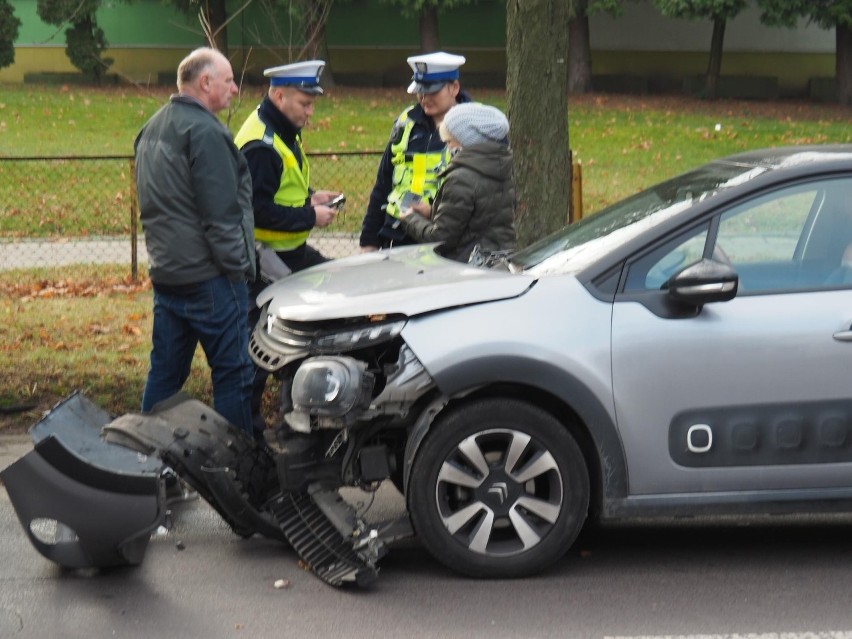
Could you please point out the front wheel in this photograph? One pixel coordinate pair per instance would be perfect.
(499, 488)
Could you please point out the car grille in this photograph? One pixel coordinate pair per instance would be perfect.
(292, 334)
(284, 343)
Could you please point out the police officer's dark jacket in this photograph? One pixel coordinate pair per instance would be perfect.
(267, 168)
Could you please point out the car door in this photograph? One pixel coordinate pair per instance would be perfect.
(753, 394)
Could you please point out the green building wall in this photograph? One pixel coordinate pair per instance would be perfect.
(368, 42)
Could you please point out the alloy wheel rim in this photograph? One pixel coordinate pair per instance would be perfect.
(499, 492)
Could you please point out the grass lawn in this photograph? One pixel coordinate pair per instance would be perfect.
(90, 330)
(625, 143)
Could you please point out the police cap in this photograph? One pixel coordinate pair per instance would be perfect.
(304, 76)
(433, 70)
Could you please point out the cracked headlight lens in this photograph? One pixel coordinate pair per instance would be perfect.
(331, 386)
(357, 337)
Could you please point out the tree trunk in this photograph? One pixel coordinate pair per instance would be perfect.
(429, 29)
(579, 51)
(537, 107)
(316, 47)
(843, 64)
(217, 16)
(714, 66)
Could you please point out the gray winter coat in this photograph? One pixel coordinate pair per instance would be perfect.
(475, 204)
(194, 190)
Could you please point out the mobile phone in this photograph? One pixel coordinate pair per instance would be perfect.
(409, 199)
(337, 202)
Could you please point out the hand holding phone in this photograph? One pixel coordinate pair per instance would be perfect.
(409, 199)
(337, 202)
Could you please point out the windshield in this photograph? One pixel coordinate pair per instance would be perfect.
(591, 237)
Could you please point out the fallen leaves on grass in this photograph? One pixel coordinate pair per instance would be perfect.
(99, 329)
(46, 289)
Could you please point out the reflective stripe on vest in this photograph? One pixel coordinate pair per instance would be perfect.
(293, 188)
(413, 172)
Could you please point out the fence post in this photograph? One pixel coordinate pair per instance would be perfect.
(134, 234)
(576, 208)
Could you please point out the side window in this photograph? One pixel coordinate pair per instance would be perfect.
(653, 270)
(797, 238)
(788, 240)
(766, 230)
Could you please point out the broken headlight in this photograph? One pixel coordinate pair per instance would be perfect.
(360, 336)
(331, 386)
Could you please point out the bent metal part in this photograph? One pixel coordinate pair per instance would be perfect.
(80, 453)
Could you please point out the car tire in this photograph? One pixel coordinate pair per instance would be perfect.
(499, 488)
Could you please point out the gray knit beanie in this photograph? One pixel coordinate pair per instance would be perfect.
(474, 123)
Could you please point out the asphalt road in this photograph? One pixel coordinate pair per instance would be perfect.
(762, 579)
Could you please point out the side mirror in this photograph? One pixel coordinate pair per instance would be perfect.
(704, 282)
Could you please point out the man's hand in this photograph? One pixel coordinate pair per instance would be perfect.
(323, 197)
(424, 209)
(325, 215)
(369, 249)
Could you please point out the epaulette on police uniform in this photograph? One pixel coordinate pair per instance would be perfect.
(399, 127)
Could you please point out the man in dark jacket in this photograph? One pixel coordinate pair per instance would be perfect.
(415, 154)
(194, 192)
(475, 204)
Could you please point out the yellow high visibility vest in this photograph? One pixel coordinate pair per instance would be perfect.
(293, 189)
(414, 172)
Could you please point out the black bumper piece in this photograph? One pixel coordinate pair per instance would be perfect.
(92, 491)
(82, 502)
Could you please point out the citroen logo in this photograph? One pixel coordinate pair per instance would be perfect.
(500, 489)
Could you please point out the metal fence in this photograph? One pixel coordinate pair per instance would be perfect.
(59, 211)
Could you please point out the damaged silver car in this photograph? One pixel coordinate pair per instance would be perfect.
(682, 352)
(678, 353)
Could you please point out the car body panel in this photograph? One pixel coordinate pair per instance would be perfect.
(771, 350)
(406, 281)
(566, 356)
(557, 322)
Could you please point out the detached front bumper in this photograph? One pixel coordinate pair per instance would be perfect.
(82, 502)
(92, 490)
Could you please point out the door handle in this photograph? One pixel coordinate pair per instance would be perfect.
(843, 336)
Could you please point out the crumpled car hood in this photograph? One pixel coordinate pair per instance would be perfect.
(408, 280)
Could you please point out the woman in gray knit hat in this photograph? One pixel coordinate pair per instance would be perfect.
(475, 204)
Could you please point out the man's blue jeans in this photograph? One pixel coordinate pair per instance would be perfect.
(213, 313)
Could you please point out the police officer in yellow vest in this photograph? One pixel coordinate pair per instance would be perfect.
(285, 206)
(415, 154)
